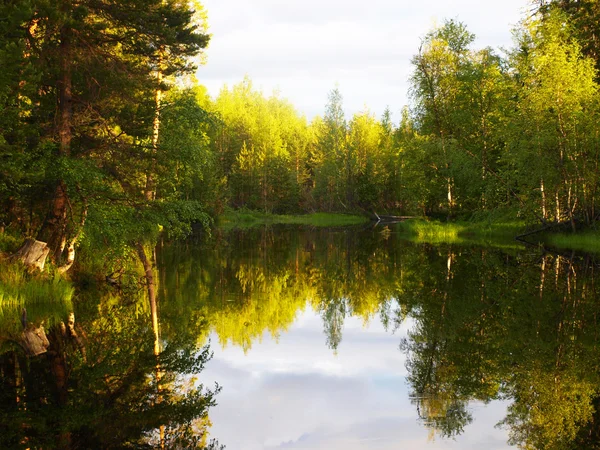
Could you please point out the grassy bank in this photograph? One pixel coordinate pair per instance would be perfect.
(46, 296)
(249, 219)
(482, 232)
(586, 241)
(497, 234)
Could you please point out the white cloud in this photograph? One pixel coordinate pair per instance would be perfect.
(302, 350)
(303, 47)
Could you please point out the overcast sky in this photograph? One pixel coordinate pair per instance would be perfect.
(303, 48)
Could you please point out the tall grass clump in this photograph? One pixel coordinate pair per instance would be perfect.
(438, 232)
(422, 231)
(46, 297)
(482, 232)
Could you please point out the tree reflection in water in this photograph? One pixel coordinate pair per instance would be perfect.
(486, 324)
(100, 392)
(489, 323)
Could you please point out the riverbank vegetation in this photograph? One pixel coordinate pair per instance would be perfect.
(453, 230)
(587, 241)
(248, 218)
(131, 150)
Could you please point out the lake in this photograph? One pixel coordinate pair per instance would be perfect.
(358, 338)
(297, 338)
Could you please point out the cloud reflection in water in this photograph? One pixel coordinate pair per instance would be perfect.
(295, 393)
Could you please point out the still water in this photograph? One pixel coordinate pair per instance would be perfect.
(359, 339)
(337, 339)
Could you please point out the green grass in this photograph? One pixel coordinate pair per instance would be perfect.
(249, 219)
(431, 232)
(47, 297)
(587, 241)
(498, 234)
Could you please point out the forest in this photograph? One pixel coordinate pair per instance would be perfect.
(106, 135)
(109, 144)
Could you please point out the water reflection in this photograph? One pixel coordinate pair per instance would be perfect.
(92, 384)
(249, 282)
(485, 326)
(326, 339)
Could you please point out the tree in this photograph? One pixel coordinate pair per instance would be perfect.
(553, 140)
(585, 17)
(441, 58)
(96, 62)
(331, 159)
(367, 163)
(262, 148)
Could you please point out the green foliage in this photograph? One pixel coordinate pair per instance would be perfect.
(551, 143)
(331, 157)
(261, 149)
(100, 63)
(585, 17)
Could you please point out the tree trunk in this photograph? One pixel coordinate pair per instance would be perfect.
(54, 228)
(73, 241)
(150, 191)
(151, 287)
(544, 210)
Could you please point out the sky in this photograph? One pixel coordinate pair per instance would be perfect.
(295, 393)
(302, 49)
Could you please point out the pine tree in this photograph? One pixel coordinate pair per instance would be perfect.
(94, 102)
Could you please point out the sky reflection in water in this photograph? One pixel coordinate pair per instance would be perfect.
(295, 393)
